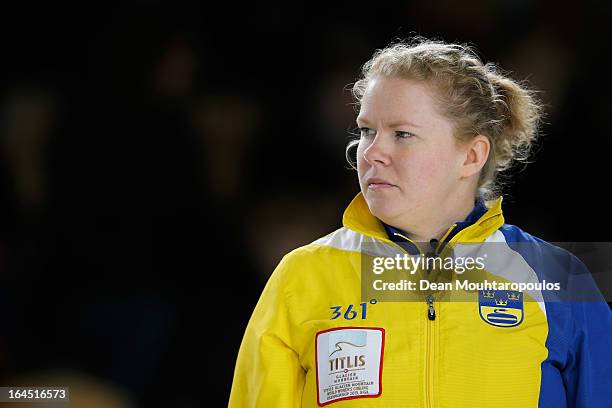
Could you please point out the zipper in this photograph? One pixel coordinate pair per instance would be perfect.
(429, 352)
(431, 311)
(431, 317)
(440, 249)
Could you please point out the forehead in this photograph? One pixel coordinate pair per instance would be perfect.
(392, 98)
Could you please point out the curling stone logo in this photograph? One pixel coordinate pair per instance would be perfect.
(501, 308)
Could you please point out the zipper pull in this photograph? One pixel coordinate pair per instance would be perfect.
(431, 312)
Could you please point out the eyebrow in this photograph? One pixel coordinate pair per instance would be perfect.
(392, 124)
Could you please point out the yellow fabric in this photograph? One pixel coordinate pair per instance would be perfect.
(456, 360)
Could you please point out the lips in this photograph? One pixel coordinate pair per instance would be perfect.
(379, 184)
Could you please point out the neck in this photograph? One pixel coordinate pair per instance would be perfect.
(433, 225)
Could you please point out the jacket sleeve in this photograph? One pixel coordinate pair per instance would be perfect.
(268, 372)
(588, 374)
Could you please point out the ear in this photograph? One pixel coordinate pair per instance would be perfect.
(476, 154)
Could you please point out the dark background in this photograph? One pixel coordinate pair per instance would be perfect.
(157, 159)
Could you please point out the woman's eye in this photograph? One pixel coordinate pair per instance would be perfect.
(403, 135)
(366, 132)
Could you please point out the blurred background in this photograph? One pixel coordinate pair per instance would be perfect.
(157, 159)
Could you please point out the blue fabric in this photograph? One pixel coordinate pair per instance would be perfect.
(578, 369)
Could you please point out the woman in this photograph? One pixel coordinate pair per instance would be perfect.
(437, 126)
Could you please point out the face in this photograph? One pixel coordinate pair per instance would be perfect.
(408, 160)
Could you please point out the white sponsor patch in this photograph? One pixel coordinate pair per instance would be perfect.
(349, 363)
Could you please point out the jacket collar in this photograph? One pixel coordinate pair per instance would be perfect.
(481, 222)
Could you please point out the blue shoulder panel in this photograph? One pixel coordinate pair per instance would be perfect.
(578, 369)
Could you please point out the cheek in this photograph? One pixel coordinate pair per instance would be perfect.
(428, 168)
(443, 168)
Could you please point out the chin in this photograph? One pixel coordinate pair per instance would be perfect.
(384, 210)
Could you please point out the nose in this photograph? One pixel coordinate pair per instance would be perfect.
(377, 152)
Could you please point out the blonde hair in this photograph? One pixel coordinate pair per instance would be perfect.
(478, 98)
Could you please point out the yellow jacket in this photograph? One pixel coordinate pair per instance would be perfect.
(313, 340)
